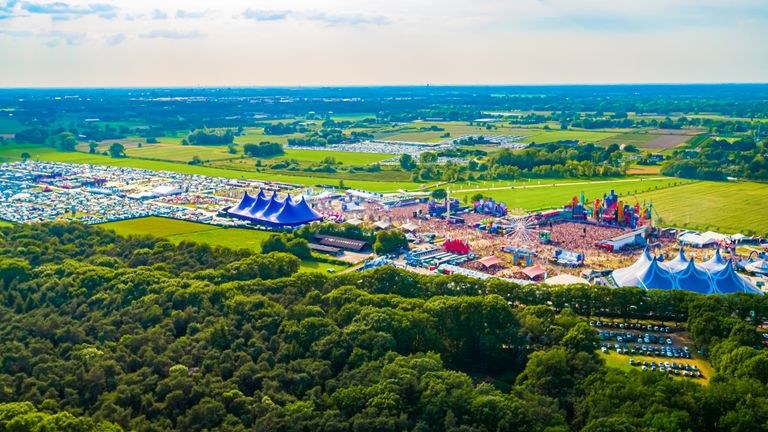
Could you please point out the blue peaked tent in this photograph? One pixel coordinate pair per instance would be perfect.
(274, 212)
(714, 276)
(692, 278)
(628, 276)
(716, 263)
(727, 281)
(680, 261)
(656, 276)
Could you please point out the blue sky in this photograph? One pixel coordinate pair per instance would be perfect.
(351, 42)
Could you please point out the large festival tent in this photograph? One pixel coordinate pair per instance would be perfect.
(274, 211)
(715, 276)
(759, 266)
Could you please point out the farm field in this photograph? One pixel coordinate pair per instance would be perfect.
(412, 132)
(666, 141)
(649, 140)
(177, 231)
(636, 169)
(637, 139)
(560, 135)
(727, 207)
(543, 197)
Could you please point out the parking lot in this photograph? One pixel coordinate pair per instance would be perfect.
(652, 348)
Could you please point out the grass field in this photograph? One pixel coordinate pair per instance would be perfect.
(157, 226)
(727, 207)
(180, 153)
(314, 156)
(175, 152)
(561, 135)
(13, 153)
(177, 231)
(257, 135)
(352, 116)
(540, 197)
(412, 132)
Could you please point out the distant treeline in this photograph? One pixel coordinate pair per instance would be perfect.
(717, 159)
(263, 149)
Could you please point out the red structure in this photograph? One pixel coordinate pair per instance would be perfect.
(457, 247)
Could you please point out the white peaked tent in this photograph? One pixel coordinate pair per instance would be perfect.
(714, 276)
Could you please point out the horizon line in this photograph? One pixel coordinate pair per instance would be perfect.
(321, 86)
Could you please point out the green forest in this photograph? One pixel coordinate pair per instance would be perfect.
(108, 333)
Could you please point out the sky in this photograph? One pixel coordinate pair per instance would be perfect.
(100, 43)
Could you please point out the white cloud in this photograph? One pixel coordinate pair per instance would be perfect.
(392, 42)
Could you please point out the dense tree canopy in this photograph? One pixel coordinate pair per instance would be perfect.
(101, 332)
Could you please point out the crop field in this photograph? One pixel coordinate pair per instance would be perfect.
(666, 141)
(637, 139)
(412, 132)
(727, 207)
(637, 169)
(177, 231)
(649, 140)
(556, 194)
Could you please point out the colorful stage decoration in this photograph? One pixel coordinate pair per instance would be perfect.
(457, 247)
(491, 207)
(437, 208)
